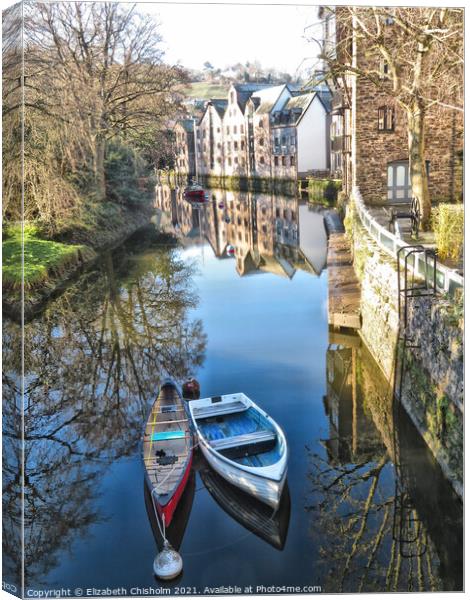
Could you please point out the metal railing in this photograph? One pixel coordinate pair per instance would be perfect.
(448, 281)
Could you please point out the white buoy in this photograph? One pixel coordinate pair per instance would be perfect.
(168, 563)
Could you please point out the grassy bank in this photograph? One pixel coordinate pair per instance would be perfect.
(42, 258)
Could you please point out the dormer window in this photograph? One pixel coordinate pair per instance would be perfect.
(386, 118)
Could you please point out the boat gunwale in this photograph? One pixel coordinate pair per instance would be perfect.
(279, 467)
(167, 496)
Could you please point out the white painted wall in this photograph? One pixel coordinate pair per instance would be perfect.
(312, 138)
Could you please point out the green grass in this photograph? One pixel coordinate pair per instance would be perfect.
(206, 90)
(40, 256)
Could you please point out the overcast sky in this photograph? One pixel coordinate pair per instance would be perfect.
(225, 34)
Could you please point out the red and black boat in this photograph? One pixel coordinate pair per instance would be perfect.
(195, 193)
(167, 450)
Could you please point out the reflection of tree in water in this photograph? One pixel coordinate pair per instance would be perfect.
(93, 363)
(354, 507)
(356, 502)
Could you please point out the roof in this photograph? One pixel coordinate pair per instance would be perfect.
(325, 98)
(245, 90)
(267, 98)
(220, 105)
(293, 110)
(187, 124)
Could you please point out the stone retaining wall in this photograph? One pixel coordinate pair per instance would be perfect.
(432, 391)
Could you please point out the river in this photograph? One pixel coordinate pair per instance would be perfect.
(235, 294)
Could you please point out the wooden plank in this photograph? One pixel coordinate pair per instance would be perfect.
(344, 292)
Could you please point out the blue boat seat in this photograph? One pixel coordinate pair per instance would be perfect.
(163, 436)
(245, 439)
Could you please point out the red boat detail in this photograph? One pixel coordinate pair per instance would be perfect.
(168, 509)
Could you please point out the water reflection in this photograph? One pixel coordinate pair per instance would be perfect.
(271, 526)
(379, 515)
(93, 362)
(269, 233)
(369, 490)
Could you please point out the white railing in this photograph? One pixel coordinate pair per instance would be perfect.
(447, 280)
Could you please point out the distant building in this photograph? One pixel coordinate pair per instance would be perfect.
(210, 157)
(262, 130)
(184, 147)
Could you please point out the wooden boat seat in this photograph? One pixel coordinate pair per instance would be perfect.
(215, 410)
(245, 439)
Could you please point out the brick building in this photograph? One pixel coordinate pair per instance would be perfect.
(369, 136)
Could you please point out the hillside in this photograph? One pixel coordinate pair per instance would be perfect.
(205, 90)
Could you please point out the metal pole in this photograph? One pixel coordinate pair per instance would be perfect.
(195, 147)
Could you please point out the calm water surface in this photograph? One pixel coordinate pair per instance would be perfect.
(236, 295)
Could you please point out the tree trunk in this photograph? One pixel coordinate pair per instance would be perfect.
(100, 177)
(418, 174)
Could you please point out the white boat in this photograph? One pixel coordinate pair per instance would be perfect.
(243, 444)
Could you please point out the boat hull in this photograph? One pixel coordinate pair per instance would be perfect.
(264, 489)
(167, 510)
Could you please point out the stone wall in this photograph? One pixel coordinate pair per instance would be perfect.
(432, 391)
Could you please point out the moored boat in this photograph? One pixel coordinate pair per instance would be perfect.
(167, 450)
(243, 444)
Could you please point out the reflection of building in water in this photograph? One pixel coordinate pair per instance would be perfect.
(353, 435)
(262, 229)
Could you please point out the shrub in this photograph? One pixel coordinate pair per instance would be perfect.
(448, 227)
(321, 190)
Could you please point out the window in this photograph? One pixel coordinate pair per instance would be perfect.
(229, 160)
(261, 141)
(292, 140)
(260, 123)
(229, 146)
(283, 160)
(242, 129)
(383, 69)
(235, 145)
(283, 140)
(261, 160)
(386, 118)
(276, 161)
(227, 129)
(234, 129)
(235, 160)
(242, 144)
(292, 161)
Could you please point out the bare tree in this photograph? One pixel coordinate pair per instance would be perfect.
(412, 55)
(97, 68)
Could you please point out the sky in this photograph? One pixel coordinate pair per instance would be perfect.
(225, 34)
